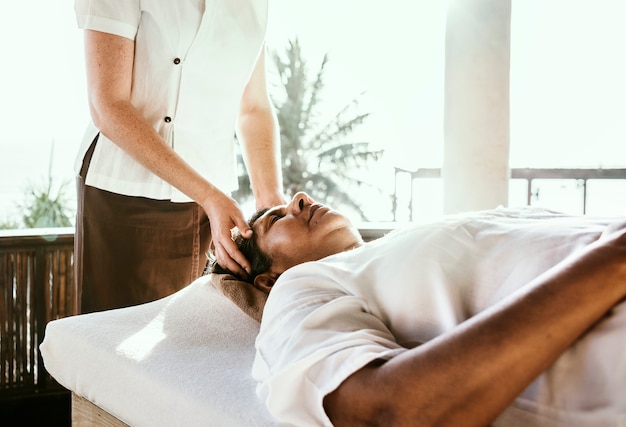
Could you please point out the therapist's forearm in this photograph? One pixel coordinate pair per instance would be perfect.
(469, 376)
(261, 148)
(122, 123)
(109, 62)
(257, 129)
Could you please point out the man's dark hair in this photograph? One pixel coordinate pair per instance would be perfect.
(259, 261)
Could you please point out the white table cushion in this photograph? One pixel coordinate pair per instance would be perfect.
(184, 360)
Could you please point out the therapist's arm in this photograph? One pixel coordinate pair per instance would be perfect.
(257, 129)
(109, 63)
(469, 376)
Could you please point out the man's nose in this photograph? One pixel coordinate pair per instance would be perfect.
(299, 201)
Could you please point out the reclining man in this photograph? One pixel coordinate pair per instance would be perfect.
(495, 317)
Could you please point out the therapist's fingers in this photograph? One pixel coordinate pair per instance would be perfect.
(243, 227)
(226, 251)
(234, 260)
(224, 215)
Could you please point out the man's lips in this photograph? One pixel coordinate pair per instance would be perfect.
(314, 209)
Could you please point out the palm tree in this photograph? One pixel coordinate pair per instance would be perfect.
(317, 157)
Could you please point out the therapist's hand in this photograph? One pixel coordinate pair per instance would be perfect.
(224, 215)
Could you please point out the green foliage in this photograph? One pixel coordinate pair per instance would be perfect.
(44, 207)
(316, 153)
(9, 224)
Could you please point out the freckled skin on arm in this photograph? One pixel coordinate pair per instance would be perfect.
(469, 376)
(109, 63)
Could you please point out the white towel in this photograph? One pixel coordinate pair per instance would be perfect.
(184, 360)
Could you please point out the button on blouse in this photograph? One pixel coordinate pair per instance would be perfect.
(219, 47)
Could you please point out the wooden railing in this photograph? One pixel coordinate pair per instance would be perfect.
(36, 286)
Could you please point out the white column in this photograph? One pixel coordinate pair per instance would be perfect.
(476, 113)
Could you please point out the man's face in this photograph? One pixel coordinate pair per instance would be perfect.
(303, 231)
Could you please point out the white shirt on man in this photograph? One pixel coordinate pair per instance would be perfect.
(325, 320)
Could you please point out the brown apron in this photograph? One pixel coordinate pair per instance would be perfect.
(131, 250)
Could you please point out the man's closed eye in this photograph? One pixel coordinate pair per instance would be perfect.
(274, 217)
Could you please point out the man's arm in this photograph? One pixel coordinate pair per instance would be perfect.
(258, 133)
(469, 376)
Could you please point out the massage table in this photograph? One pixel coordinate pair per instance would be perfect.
(183, 360)
(186, 360)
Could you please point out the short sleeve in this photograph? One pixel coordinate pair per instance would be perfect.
(309, 344)
(118, 17)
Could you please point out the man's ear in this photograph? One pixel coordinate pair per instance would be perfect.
(265, 281)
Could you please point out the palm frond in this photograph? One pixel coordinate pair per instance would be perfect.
(316, 88)
(317, 159)
(356, 154)
(337, 129)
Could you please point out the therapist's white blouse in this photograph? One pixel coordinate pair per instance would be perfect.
(325, 320)
(193, 59)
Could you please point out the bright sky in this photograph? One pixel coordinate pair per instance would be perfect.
(42, 93)
(568, 92)
(393, 52)
(42, 81)
(568, 86)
